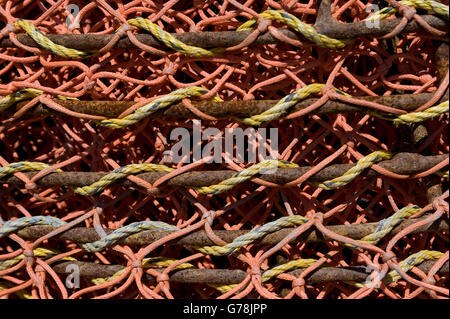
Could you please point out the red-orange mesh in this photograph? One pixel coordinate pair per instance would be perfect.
(403, 64)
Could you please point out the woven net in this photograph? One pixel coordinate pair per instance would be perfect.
(404, 63)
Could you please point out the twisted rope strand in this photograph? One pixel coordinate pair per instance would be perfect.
(254, 235)
(160, 103)
(126, 231)
(46, 43)
(429, 5)
(353, 172)
(170, 41)
(244, 175)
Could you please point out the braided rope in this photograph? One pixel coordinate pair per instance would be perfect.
(306, 30)
(284, 104)
(170, 41)
(152, 262)
(428, 113)
(353, 172)
(309, 32)
(385, 226)
(254, 235)
(245, 175)
(126, 231)
(225, 185)
(160, 103)
(38, 252)
(46, 43)
(290, 265)
(15, 225)
(120, 173)
(429, 5)
(155, 262)
(275, 112)
(25, 94)
(22, 167)
(411, 261)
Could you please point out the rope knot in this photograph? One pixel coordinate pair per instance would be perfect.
(7, 30)
(388, 256)
(31, 186)
(263, 24)
(318, 217)
(163, 277)
(439, 203)
(298, 282)
(209, 216)
(124, 28)
(28, 255)
(169, 69)
(407, 12)
(136, 264)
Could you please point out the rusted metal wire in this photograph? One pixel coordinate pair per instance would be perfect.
(224, 39)
(401, 163)
(231, 276)
(200, 238)
(239, 108)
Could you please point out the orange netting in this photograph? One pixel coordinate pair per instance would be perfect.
(403, 63)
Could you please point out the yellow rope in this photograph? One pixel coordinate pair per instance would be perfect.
(254, 235)
(284, 104)
(120, 173)
(160, 103)
(38, 252)
(429, 5)
(170, 41)
(244, 175)
(227, 184)
(410, 262)
(306, 30)
(353, 172)
(25, 94)
(428, 113)
(46, 43)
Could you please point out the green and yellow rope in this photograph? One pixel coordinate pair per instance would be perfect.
(25, 94)
(48, 44)
(170, 41)
(429, 5)
(244, 175)
(120, 173)
(284, 104)
(293, 22)
(160, 103)
(38, 252)
(353, 172)
(410, 262)
(254, 235)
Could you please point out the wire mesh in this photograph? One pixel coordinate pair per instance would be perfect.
(406, 62)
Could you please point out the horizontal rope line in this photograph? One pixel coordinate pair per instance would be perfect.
(84, 235)
(309, 32)
(227, 109)
(224, 39)
(274, 112)
(230, 276)
(401, 163)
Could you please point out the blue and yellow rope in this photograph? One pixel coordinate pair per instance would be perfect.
(356, 170)
(244, 175)
(429, 5)
(254, 235)
(48, 44)
(160, 103)
(170, 41)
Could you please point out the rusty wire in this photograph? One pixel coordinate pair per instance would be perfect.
(407, 70)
